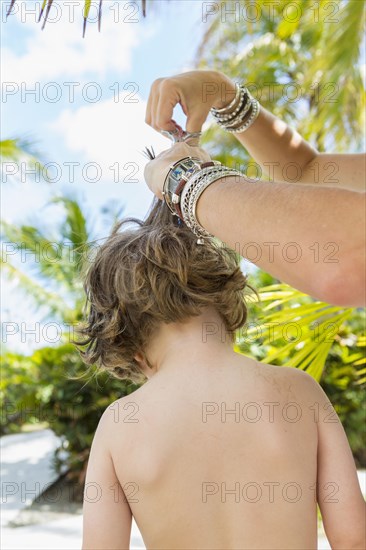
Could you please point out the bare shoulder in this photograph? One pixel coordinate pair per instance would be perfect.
(292, 374)
(297, 381)
(124, 410)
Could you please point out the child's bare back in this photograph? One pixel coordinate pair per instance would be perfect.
(232, 454)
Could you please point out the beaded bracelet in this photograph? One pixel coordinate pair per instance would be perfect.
(229, 114)
(242, 117)
(247, 121)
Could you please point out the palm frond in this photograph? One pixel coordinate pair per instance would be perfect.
(42, 10)
(47, 5)
(309, 53)
(316, 326)
(49, 258)
(85, 14)
(74, 228)
(53, 265)
(16, 150)
(100, 15)
(41, 297)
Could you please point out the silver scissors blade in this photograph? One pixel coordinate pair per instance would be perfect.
(178, 136)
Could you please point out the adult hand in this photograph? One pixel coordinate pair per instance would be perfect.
(157, 169)
(196, 91)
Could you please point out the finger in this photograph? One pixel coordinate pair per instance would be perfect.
(178, 126)
(153, 90)
(154, 103)
(168, 99)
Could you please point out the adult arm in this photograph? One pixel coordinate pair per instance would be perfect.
(282, 154)
(312, 238)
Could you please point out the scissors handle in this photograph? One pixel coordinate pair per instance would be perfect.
(178, 136)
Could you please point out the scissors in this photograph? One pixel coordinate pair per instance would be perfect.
(181, 135)
(176, 136)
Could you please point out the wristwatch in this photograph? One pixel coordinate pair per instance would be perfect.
(175, 180)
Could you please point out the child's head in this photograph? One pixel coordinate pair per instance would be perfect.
(151, 273)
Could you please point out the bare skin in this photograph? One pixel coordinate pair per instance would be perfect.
(314, 200)
(195, 475)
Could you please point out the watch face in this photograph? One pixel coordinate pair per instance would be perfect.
(185, 166)
(177, 173)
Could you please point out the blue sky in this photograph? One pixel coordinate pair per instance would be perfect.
(109, 130)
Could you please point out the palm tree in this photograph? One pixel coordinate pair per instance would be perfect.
(307, 71)
(55, 282)
(315, 58)
(18, 150)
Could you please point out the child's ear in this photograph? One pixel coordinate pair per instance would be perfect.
(139, 357)
(143, 364)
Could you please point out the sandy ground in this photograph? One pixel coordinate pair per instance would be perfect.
(26, 471)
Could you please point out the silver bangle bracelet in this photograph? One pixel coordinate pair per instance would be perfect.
(188, 189)
(190, 195)
(208, 180)
(243, 115)
(239, 115)
(223, 110)
(242, 100)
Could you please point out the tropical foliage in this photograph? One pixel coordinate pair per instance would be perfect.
(294, 59)
(49, 388)
(55, 281)
(290, 328)
(52, 387)
(47, 5)
(18, 151)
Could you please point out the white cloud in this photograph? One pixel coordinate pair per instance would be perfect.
(60, 51)
(108, 133)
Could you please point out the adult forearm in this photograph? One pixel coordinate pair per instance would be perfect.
(284, 156)
(310, 237)
(278, 149)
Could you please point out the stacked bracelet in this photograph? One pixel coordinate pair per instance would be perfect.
(240, 114)
(231, 105)
(185, 183)
(194, 189)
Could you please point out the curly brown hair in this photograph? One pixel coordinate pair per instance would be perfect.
(154, 273)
